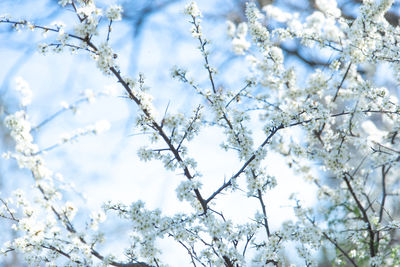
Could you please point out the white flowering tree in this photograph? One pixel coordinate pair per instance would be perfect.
(334, 125)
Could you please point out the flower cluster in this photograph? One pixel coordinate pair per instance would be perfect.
(114, 12)
(90, 16)
(40, 224)
(185, 189)
(20, 130)
(24, 89)
(192, 10)
(105, 58)
(239, 42)
(97, 128)
(335, 126)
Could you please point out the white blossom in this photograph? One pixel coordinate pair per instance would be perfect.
(101, 126)
(90, 95)
(25, 91)
(64, 2)
(105, 58)
(114, 12)
(276, 13)
(97, 128)
(333, 122)
(231, 28)
(240, 45)
(329, 7)
(192, 9)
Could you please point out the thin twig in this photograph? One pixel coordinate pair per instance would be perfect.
(341, 83)
(243, 168)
